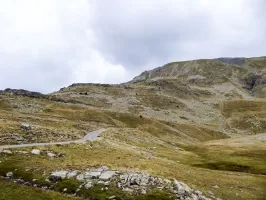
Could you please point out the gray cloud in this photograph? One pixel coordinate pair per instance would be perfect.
(135, 34)
(45, 45)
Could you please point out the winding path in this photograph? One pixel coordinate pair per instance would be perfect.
(89, 137)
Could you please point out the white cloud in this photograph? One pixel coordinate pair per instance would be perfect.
(48, 44)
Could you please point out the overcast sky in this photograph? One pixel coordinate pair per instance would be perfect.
(49, 44)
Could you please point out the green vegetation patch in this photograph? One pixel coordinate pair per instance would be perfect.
(5, 105)
(12, 191)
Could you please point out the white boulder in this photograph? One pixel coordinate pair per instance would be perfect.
(36, 152)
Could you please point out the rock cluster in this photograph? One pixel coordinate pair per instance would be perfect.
(135, 182)
(49, 154)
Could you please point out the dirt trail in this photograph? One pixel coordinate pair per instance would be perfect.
(89, 137)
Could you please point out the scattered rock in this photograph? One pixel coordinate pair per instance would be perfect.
(143, 191)
(111, 197)
(182, 188)
(106, 175)
(9, 174)
(72, 174)
(135, 182)
(88, 185)
(216, 186)
(7, 152)
(25, 126)
(51, 155)
(80, 177)
(36, 152)
(62, 174)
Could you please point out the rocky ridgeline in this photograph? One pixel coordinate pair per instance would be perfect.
(134, 182)
(21, 92)
(38, 95)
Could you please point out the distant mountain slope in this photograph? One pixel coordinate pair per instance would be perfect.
(248, 73)
(183, 92)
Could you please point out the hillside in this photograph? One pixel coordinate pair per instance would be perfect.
(170, 122)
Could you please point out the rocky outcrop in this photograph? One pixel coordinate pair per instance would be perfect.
(26, 93)
(133, 182)
(21, 92)
(89, 84)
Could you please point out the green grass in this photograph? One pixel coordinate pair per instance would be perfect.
(5, 105)
(228, 159)
(12, 191)
(228, 108)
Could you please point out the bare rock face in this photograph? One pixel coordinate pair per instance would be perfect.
(88, 185)
(62, 174)
(107, 175)
(72, 174)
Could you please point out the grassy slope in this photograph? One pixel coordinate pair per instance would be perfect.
(12, 191)
(249, 116)
(201, 162)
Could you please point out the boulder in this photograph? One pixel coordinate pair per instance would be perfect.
(25, 126)
(80, 177)
(182, 188)
(7, 152)
(36, 152)
(88, 185)
(101, 182)
(143, 191)
(124, 178)
(9, 174)
(72, 174)
(62, 174)
(92, 175)
(107, 175)
(51, 155)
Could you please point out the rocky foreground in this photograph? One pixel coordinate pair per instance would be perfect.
(134, 182)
